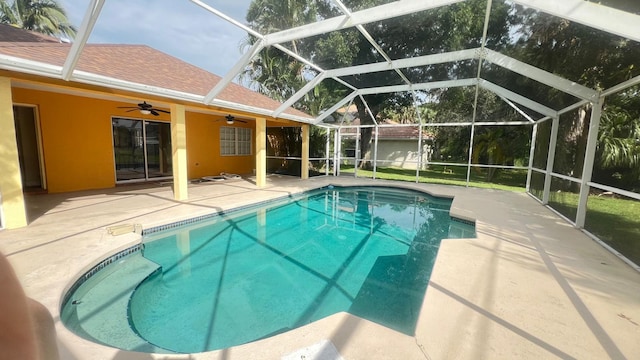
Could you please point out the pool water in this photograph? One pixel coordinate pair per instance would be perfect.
(235, 279)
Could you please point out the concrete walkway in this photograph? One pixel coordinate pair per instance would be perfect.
(529, 287)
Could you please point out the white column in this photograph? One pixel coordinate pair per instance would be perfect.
(589, 158)
(551, 155)
(532, 150)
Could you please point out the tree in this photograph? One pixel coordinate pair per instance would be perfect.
(43, 16)
(454, 27)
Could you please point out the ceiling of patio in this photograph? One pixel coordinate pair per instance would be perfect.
(388, 71)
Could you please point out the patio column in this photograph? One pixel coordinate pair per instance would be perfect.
(551, 156)
(305, 152)
(179, 148)
(12, 207)
(589, 159)
(261, 152)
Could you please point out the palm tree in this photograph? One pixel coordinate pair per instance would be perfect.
(43, 16)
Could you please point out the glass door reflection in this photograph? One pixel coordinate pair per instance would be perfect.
(142, 149)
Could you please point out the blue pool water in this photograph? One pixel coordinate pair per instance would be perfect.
(245, 276)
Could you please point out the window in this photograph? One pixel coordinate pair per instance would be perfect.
(235, 141)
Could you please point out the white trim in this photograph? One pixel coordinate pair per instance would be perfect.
(231, 74)
(545, 77)
(622, 192)
(366, 16)
(598, 16)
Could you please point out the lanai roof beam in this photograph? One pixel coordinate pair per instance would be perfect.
(366, 16)
(598, 16)
(90, 18)
(542, 76)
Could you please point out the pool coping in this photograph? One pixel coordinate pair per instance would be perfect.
(136, 244)
(371, 341)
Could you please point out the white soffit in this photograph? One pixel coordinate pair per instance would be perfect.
(598, 16)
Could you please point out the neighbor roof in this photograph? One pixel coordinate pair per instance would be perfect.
(139, 64)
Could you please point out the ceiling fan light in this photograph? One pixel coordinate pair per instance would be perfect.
(145, 112)
(229, 119)
(230, 122)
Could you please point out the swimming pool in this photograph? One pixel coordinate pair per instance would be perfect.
(261, 271)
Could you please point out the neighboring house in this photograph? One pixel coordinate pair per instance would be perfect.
(397, 145)
(69, 135)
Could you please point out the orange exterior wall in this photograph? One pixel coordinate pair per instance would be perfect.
(203, 147)
(77, 141)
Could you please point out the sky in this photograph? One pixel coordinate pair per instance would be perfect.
(177, 27)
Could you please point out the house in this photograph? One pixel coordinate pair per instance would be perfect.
(123, 113)
(397, 145)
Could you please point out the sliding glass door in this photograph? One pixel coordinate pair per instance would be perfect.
(142, 149)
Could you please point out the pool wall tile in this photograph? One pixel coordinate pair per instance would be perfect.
(101, 265)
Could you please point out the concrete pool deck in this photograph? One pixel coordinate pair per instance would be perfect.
(529, 287)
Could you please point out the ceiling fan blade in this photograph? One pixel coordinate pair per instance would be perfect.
(127, 107)
(155, 113)
(242, 121)
(134, 109)
(164, 111)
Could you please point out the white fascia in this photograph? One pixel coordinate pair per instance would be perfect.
(16, 64)
(542, 76)
(598, 16)
(93, 79)
(109, 82)
(90, 18)
(378, 13)
(519, 99)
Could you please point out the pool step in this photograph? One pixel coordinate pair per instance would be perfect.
(100, 313)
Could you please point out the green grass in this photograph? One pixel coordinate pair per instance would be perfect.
(511, 180)
(615, 221)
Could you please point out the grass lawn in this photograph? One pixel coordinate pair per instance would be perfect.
(615, 221)
(512, 180)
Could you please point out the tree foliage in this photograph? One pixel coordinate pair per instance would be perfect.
(43, 16)
(579, 53)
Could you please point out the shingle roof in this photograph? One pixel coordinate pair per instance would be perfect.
(135, 63)
(9, 33)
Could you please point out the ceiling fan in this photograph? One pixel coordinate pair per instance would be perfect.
(230, 119)
(145, 109)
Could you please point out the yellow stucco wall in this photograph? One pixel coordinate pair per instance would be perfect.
(77, 141)
(203, 147)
